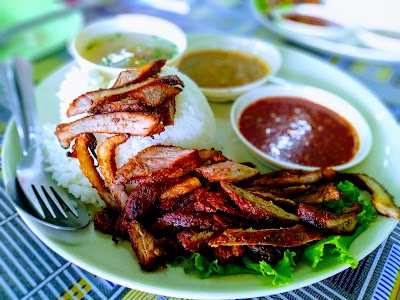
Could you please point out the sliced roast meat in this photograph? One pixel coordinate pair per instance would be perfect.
(215, 201)
(345, 223)
(166, 109)
(294, 178)
(255, 207)
(325, 193)
(284, 191)
(81, 151)
(104, 220)
(157, 162)
(149, 254)
(183, 187)
(151, 92)
(140, 200)
(279, 201)
(133, 123)
(213, 156)
(106, 153)
(228, 171)
(227, 253)
(106, 159)
(279, 237)
(198, 220)
(139, 74)
(193, 240)
(380, 198)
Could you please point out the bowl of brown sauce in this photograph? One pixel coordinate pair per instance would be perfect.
(226, 66)
(127, 41)
(301, 127)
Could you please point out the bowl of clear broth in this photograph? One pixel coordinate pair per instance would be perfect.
(127, 41)
(226, 66)
(301, 127)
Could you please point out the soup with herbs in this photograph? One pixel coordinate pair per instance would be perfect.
(215, 68)
(128, 50)
(296, 130)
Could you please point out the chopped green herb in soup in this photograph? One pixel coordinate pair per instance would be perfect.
(128, 50)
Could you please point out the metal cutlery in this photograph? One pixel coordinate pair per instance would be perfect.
(51, 203)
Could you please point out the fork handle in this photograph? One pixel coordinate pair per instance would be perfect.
(26, 102)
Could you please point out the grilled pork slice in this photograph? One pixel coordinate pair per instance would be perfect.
(226, 253)
(281, 202)
(106, 160)
(288, 192)
(345, 223)
(380, 198)
(285, 178)
(158, 162)
(139, 74)
(214, 201)
(106, 156)
(155, 94)
(255, 207)
(104, 220)
(228, 171)
(81, 151)
(149, 254)
(133, 123)
(140, 200)
(325, 193)
(151, 92)
(193, 240)
(198, 220)
(183, 187)
(213, 156)
(166, 109)
(282, 237)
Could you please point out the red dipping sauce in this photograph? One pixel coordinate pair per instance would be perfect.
(309, 20)
(299, 131)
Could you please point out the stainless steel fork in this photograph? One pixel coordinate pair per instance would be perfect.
(51, 202)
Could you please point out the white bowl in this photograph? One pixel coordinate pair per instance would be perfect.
(263, 50)
(314, 10)
(316, 95)
(127, 23)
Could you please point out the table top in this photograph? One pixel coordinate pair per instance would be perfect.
(30, 270)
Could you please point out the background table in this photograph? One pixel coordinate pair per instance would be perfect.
(30, 270)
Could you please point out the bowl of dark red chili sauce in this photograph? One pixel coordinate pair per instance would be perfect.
(315, 20)
(301, 127)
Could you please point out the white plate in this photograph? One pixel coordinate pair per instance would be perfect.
(348, 47)
(96, 253)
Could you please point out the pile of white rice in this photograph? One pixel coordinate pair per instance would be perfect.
(194, 128)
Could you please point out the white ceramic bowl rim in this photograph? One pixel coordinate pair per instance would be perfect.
(316, 95)
(262, 49)
(137, 23)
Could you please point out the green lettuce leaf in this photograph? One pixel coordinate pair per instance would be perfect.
(338, 245)
(204, 268)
